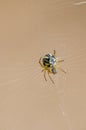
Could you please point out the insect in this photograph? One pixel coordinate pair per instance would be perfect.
(49, 64)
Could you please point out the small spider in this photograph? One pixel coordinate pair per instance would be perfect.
(49, 64)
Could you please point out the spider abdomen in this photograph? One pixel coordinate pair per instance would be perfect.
(48, 60)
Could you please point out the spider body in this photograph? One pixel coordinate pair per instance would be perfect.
(49, 64)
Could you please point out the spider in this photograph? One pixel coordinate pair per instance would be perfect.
(49, 65)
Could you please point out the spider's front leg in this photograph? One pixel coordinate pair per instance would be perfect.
(40, 62)
(54, 52)
(60, 61)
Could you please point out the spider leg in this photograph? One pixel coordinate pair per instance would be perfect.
(40, 62)
(54, 52)
(44, 74)
(61, 69)
(60, 61)
(50, 77)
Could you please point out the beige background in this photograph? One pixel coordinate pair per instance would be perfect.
(28, 30)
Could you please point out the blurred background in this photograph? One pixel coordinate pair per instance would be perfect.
(30, 29)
